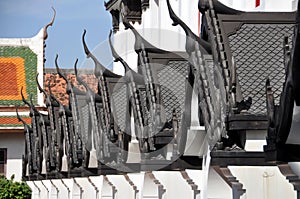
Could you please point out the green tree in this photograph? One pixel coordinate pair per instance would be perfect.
(10, 189)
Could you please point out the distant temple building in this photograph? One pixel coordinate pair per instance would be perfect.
(20, 61)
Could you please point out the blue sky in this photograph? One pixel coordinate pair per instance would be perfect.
(19, 18)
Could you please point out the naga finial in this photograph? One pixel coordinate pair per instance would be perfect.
(49, 24)
(86, 50)
(58, 70)
(116, 56)
(99, 68)
(137, 77)
(19, 117)
(23, 98)
(140, 42)
(39, 86)
(78, 78)
(191, 37)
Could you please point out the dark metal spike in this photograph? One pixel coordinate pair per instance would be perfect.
(51, 94)
(58, 70)
(99, 68)
(190, 35)
(49, 87)
(18, 116)
(31, 101)
(23, 98)
(39, 86)
(140, 42)
(79, 79)
(117, 56)
(86, 49)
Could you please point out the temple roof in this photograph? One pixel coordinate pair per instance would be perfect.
(109, 4)
(21, 59)
(59, 85)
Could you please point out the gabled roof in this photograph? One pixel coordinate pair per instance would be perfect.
(21, 59)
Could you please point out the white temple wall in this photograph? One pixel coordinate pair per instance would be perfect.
(157, 29)
(263, 182)
(14, 143)
(259, 182)
(264, 6)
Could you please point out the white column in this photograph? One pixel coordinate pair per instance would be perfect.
(77, 190)
(138, 180)
(171, 181)
(44, 192)
(63, 190)
(35, 190)
(109, 190)
(152, 187)
(98, 182)
(52, 189)
(68, 182)
(89, 190)
(125, 190)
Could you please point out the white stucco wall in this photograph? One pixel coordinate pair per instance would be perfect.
(265, 5)
(263, 182)
(15, 144)
(156, 26)
(157, 29)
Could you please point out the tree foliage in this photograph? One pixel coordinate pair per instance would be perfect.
(10, 189)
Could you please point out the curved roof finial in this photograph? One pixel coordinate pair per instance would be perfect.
(58, 70)
(128, 70)
(139, 40)
(99, 68)
(49, 24)
(191, 37)
(23, 98)
(19, 117)
(116, 56)
(78, 78)
(39, 86)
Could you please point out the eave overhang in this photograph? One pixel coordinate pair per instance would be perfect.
(129, 10)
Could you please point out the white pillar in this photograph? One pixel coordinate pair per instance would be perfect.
(109, 190)
(52, 189)
(171, 181)
(153, 188)
(35, 190)
(138, 181)
(44, 192)
(77, 190)
(98, 183)
(88, 188)
(63, 190)
(125, 190)
(68, 182)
